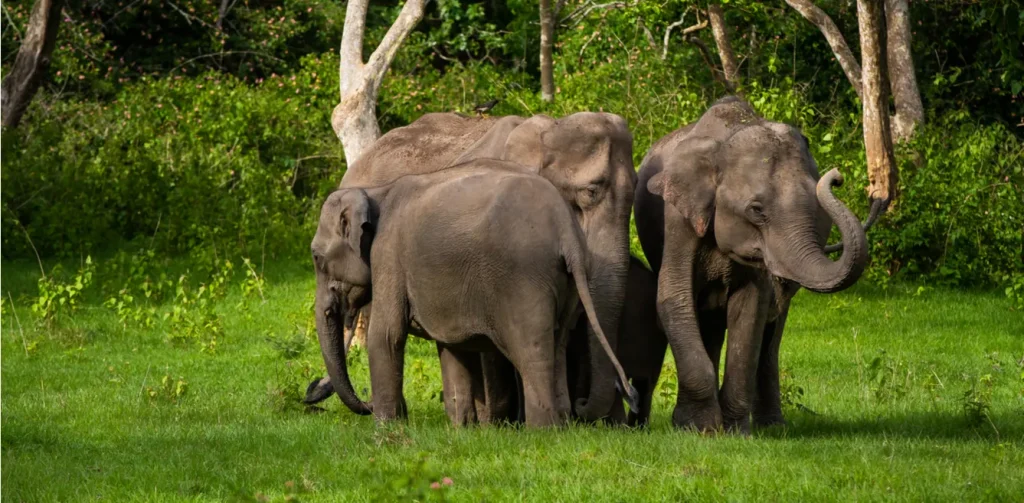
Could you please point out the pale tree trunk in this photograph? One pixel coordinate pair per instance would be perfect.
(32, 61)
(547, 35)
(907, 97)
(721, 32)
(355, 118)
(877, 138)
(835, 39)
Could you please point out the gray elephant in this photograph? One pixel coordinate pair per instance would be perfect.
(478, 257)
(586, 156)
(641, 345)
(732, 216)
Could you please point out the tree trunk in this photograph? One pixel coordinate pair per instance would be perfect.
(721, 32)
(547, 35)
(835, 39)
(32, 61)
(877, 138)
(355, 118)
(909, 110)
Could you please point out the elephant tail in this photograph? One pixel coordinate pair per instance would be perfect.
(575, 262)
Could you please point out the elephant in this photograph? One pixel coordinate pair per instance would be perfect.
(733, 218)
(477, 257)
(586, 156)
(641, 344)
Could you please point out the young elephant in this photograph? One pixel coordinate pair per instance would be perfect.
(478, 257)
(641, 343)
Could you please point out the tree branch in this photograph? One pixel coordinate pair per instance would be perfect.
(351, 51)
(686, 32)
(381, 58)
(589, 6)
(26, 75)
(720, 31)
(835, 39)
(716, 72)
(877, 137)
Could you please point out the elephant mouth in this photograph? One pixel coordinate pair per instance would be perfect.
(753, 260)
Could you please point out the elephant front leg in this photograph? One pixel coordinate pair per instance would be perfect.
(747, 311)
(697, 399)
(460, 375)
(385, 341)
(768, 402)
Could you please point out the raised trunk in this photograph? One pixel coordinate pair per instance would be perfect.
(329, 331)
(26, 75)
(547, 35)
(909, 109)
(607, 278)
(802, 259)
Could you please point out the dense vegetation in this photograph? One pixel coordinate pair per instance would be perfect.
(171, 125)
(159, 197)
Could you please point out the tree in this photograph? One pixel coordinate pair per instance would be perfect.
(730, 68)
(547, 35)
(32, 61)
(877, 137)
(896, 57)
(909, 109)
(355, 118)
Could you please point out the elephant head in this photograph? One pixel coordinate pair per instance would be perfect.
(589, 158)
(340, 251)
(753, 185)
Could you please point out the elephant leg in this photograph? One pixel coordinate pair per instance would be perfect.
(617, 415)
(768, 403)
(712, 332)
(460, 372)
(645, 387)
(747, 308)
(697, 399)
(534, 356)
(500, 389)
(385, 342)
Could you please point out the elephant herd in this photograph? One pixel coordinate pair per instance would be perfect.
(506, 241)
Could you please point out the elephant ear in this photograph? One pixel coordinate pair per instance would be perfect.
(357, 224)
(688, 181)
(525, 144)
(492, 144)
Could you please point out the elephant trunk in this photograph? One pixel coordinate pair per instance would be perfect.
(329, 331)
(607, 275)
(808, 264)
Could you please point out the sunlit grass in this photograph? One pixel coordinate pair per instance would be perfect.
(901, 394)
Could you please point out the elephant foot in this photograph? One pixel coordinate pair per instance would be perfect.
(769, 420)
(703, 419)
(739, 426)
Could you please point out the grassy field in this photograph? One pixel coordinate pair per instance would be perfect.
(904, 393)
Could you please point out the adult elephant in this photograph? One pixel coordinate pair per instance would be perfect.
(586, 156)
(732, 216)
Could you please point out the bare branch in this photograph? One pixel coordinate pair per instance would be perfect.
(903, 81)
(877, 137)
(705, 53)
(589, 6)
(381, 58)
(649, 36)
(721, 33)
(835, 39)
(351, 51)
(26, 75)
(686, 32)
(585, 44)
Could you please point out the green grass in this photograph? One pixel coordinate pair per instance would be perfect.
(879, 383)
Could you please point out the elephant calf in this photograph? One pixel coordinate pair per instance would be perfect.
(478, 256)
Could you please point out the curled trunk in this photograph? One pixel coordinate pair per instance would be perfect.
(803, 260)
(329, 331)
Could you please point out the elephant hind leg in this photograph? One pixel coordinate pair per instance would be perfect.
(645, 387)
(460, 375)
(534, 352)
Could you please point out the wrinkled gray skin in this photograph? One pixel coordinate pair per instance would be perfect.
(478, 257)
(586, 156)
(641, 346)
(732, 217)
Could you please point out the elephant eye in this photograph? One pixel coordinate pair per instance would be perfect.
(755, 213)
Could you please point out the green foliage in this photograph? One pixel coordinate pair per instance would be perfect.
(170, 390)
(58, 297)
